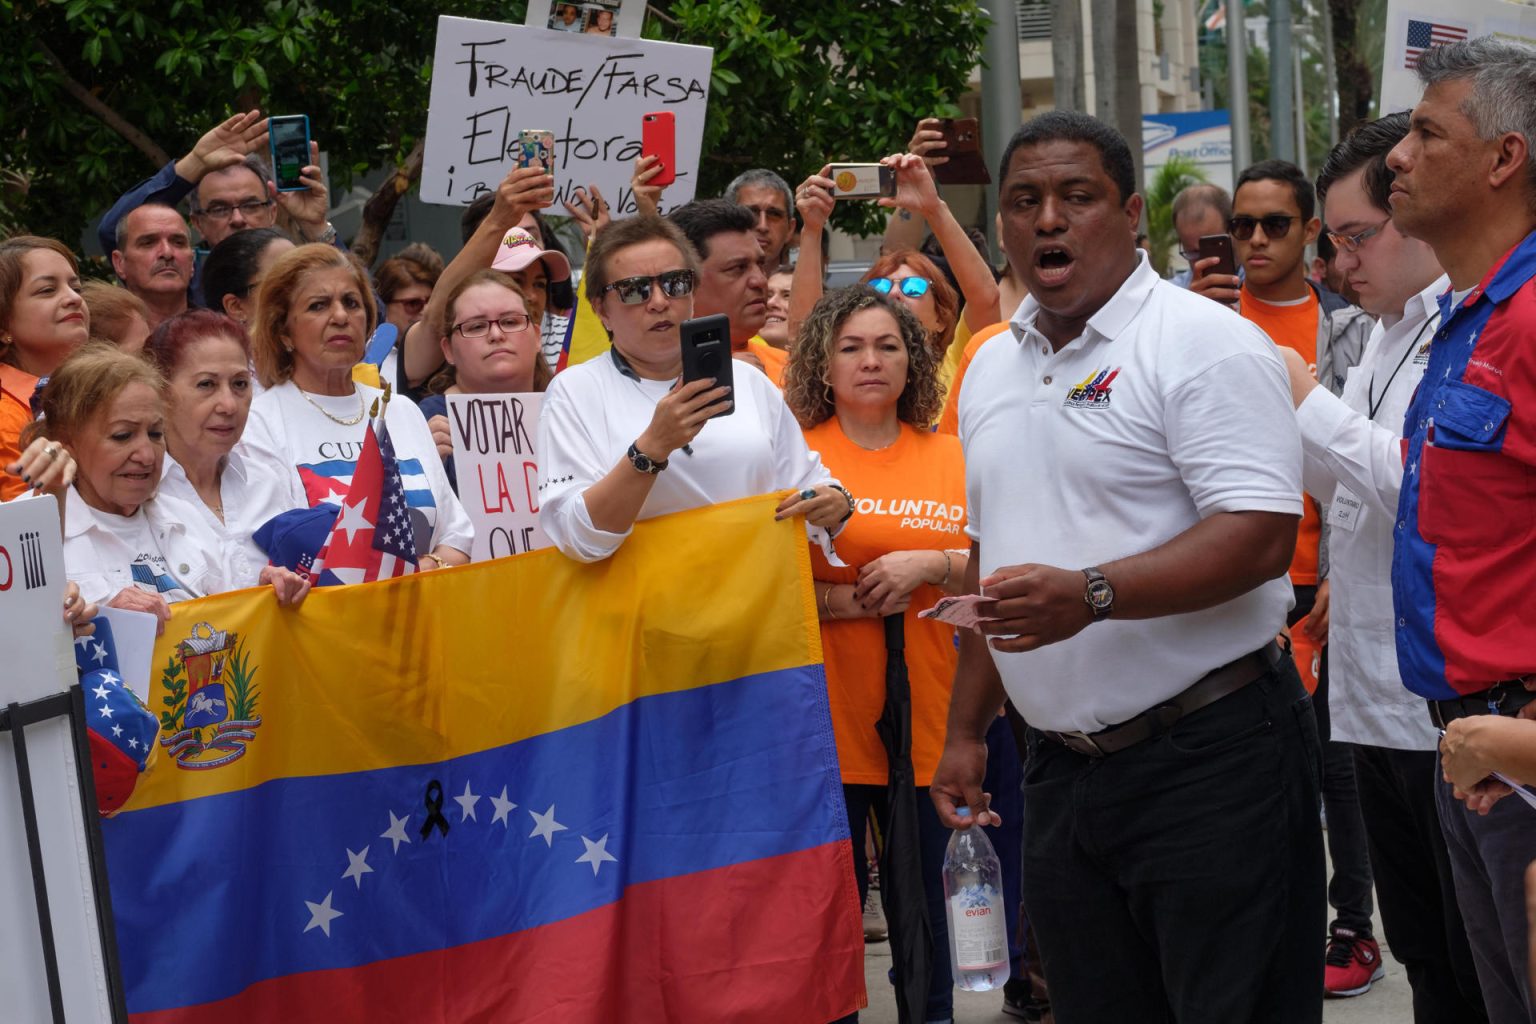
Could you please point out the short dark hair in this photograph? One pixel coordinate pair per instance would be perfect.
(1326, 250)
(228, 268)
(474, 213)
(703, 219)
(1367, 146)
(1281, 170)
(618, 235)
(253, 163)
(1071, 126)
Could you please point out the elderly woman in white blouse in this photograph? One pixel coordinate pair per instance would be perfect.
(621, 439)
(231, 489)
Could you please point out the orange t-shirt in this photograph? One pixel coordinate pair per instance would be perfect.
(911, 496)
(949, 419)
(773, 360)
(16, 388)
(1295, 327)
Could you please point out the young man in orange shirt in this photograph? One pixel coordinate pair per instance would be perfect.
(1272, 224)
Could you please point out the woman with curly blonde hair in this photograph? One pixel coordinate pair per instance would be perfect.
(863, 381)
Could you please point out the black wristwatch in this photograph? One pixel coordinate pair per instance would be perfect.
(644, 463)
(1099, 595)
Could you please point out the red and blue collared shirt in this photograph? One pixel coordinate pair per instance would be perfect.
(1464, 561)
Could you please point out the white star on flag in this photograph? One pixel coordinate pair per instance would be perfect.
(321, 915)
(545, 825)
(357, 866)
(352, 519)
(596, 853)
(396, 833)
(133, 744)
(82, 641)
(100, 693)
(100, 655)
(503, 808)
(110, 677)
(467, 803)
(105, 711)
(117, 730)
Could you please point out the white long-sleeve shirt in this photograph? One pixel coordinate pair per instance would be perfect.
(594, 411)
(1352, 448)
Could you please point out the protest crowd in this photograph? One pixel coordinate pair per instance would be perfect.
(1246, 550)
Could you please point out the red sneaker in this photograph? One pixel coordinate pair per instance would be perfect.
(1352, 964)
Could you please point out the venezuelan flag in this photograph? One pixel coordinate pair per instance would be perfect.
(525, 790)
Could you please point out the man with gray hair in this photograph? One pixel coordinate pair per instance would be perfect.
(770, 199)
(1464, 558)
(1202, 209)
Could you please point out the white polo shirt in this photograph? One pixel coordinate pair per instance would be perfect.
(1167, 409)
(1353, 451)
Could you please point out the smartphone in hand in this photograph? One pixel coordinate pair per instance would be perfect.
(962, 144)
(862, 181)
(707, 353)
(535, 145)
(1219, 246)
(658, 138)
(288, 137)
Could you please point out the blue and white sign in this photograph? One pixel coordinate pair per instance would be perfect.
(1204, 136)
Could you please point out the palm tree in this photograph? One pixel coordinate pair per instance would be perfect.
(1172, 178)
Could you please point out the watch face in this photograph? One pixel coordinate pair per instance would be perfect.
(1100, 594)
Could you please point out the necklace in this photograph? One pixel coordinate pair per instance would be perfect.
(880, 448)
(362, 407)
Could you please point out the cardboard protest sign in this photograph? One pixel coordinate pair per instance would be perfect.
(498, 470)
(1414, 26)
(491, 80)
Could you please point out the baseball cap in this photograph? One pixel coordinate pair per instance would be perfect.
(520, 248)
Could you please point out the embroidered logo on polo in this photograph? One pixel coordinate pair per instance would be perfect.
(1092, 392)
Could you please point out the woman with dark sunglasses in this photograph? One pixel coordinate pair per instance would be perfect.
(621, 438)
(929, 295)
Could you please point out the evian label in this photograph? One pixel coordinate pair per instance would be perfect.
(979, 932)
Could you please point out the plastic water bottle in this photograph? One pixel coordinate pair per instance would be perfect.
(973, 904)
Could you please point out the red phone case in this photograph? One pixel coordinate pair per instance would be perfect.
(658, 137)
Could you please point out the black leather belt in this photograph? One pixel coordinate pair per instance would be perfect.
(1499, 699)
(1208, 689)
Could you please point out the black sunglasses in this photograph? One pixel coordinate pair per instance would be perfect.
(635, 290)
(1276, 225)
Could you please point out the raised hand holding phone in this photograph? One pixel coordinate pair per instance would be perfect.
(915, 190)
(643, 184)
(658, 138)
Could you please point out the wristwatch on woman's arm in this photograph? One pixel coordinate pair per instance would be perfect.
(643, 462)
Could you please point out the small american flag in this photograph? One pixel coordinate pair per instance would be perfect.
(1422, 35)
(373, 537)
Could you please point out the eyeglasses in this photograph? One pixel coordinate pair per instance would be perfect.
(224, 211)
(635, 290)
(911, 287)
(1352, 243)
(511, 323)
(411, 306)
(1190, 255)
(1276, 225)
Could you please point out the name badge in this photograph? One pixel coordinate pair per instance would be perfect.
(1344, 512)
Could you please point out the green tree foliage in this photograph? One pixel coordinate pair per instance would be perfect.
(1172, 178)
(101, 93)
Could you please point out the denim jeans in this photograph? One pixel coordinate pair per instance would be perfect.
(1182, 879)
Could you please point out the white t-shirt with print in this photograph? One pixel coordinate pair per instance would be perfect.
(323, 452)
(105, 553)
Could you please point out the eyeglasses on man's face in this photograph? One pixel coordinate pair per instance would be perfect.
(224, 211)
(1275, 225)
(1352, 243)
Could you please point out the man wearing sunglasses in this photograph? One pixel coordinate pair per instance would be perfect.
(731, 277)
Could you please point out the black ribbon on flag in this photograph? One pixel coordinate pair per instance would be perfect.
(434, 802)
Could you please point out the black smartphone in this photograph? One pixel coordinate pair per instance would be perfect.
(1219, 246)
(707, 353)
(288, 137)
(962, 144)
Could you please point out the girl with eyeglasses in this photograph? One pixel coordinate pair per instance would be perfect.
(928, 294)
(491, 347)
(621, 438)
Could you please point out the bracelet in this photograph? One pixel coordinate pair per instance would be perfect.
(947, 568)
(440, 563)
(826, 601)
(848, 497)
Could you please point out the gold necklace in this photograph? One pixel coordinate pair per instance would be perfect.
(362, 408)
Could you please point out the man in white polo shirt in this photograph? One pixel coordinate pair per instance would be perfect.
(1134, 477)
